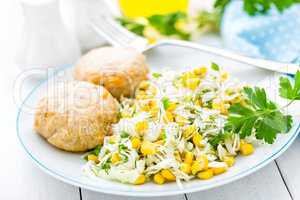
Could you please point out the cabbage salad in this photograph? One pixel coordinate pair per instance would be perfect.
(173, 130)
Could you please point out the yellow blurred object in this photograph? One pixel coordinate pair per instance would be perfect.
(146, 8)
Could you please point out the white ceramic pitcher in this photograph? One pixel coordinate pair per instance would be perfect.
(45, 41)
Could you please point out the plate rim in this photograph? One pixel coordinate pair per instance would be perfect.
(71, 181)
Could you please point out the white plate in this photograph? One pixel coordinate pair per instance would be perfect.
(67, 166)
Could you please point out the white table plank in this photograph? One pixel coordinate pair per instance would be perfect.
(20, 179)
(90, 195)
(289, 164)
(264, 184)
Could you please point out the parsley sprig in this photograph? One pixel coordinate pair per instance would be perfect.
(262, 116)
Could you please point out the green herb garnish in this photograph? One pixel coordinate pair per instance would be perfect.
(156, 75)
(215, 67)
(166, 102)
(262, 116)
(124, 134)
(122, 147)
(106, 166)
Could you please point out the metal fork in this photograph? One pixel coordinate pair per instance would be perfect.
(116, 35)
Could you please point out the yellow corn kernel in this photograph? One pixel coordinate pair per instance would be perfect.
(159, 179)
(188, 158)
(159, 142)
(203, 160)
(246, 149)
(135, 143)
(148, 148)
(172, 106)
(92, 157)
(229, 160)
(196, 167)
(141, 179)
(197, 138)
(168, 117)
(219, 105)
(144, 85)
(201, 71)
(141, 126)
(145, 108)
(167, 174)
(219, 170)
(152, 104)
(207, 174)
(216, 104)
(154, 112)
(190, 130)
(186, 168)
(236, 99)
(181, 120)
(200, 164)
(224, 76)
(186, 76)
(177, 156)
(115, 158)
(198, 102)
(192, 83)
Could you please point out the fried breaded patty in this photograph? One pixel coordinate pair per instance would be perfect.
(75, 115)
(119, 70)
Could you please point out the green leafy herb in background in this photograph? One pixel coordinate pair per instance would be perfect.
(164, 24)
(254, 7)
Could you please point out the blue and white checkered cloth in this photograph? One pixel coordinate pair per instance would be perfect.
(275, 36)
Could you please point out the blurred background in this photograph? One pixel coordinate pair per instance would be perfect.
(56, 32)
(38, 34)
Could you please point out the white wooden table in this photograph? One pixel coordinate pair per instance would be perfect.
(20, 179)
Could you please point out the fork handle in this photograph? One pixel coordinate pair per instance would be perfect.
(287, 68)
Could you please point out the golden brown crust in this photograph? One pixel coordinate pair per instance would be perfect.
(76, 115)
(119, 70)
